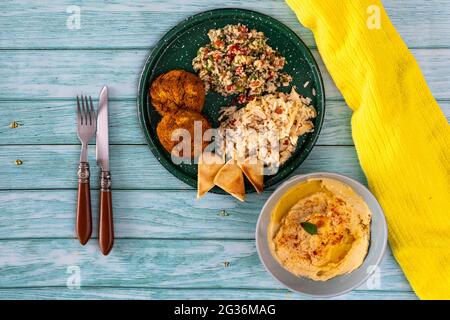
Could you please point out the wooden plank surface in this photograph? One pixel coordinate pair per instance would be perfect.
(186, 294)
(56, 74)
(34, 128)
(138, 214)
(124, 125)
(163, 250)
(125, 24)
(152, 263)
(132, 166)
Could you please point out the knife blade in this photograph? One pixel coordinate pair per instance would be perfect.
(102, 142)
(105, 225)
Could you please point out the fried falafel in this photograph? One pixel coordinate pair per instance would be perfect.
(177, 89)
(181, 119)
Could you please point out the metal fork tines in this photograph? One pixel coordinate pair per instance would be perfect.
(87, 123)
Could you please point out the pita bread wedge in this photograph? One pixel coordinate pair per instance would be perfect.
(253, 169)
(208, 166)
(231, 180)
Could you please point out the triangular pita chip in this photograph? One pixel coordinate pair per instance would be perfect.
(208, 166)
(253, 169)
(231, 180)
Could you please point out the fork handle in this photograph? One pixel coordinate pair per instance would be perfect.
(84, 215)
(105, 226)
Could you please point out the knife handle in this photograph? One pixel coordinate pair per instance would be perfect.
(105, 226)
(84, 216)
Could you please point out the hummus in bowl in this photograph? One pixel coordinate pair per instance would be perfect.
(325, 233)
(321, 234)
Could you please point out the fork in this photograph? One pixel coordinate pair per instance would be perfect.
(86, 126)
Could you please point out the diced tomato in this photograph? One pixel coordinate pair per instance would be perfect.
(240, 70)
(230, 87)
(279, 110)
(279, 63)
(255, 83)
(233, 48)
(243, 51)
(216, 56)
(242, 98)
(230, 56)
(218, 43)
(243, 29)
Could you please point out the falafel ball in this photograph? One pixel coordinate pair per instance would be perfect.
(177, 89)
(181, 119)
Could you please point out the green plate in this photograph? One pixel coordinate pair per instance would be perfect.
(180, 45)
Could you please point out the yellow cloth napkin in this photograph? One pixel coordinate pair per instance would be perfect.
(401, 136)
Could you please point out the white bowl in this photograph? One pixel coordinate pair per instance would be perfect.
(340, 284)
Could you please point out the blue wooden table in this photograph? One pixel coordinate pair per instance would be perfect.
(168, 244)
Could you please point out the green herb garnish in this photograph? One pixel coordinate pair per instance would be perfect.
(311, 228)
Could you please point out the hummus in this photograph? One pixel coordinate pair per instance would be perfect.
(337, 238)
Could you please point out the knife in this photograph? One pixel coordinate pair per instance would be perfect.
(105, 226)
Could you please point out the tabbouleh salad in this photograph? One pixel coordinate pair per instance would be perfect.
(239, 61)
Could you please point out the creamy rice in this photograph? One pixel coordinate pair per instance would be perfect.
(267, 127)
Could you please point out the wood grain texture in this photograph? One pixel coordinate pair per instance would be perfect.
(115, 293)
(133, 166)
(168, 244)
(105, 224)
(125, 24)
(152, 263)
(124, 127)
(56, 74)
(83, 221)
(138, 214)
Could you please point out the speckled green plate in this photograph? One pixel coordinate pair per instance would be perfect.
(180, 45)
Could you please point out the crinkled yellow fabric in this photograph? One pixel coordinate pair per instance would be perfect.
(401, 135)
